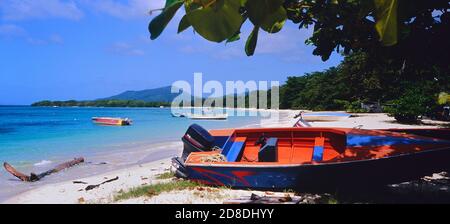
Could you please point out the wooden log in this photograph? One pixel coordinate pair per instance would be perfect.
(254, 199)
(90, 187)
(36, 177)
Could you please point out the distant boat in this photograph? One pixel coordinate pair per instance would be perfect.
(112, 121)
(178, 115)
(325, 116)
(208, 116)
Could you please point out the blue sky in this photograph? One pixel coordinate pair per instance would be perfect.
(88, 49)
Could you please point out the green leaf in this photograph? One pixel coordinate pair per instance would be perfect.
(274, 22)
(235, 37)
(159, 23)
(444, 98)
(386, 26)
(258, 10)
(252, 40)
(184, 24)
(170, 3)
(217, 23)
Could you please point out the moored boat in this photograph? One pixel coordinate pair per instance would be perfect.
(179, 115)
(112, 121)
(297, 158)
(208, 116)
(325, 116)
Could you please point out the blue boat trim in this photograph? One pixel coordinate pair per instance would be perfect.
(370, 140)
(318, 153)
(234, 151)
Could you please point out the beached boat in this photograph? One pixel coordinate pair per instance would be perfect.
(208, 116)
(325, 116)
(112, 121)
(311, 158)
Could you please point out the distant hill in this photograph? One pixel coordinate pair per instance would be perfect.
(144, 98)
(162, 94)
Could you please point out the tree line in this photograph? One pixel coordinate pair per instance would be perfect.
(99, 103)
(360, 78)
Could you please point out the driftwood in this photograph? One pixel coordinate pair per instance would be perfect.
(255, 199)
(79, 182)
(90, 187)
(36, 177)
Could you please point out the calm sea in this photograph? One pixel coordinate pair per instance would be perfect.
(32, 134)
(38, 138)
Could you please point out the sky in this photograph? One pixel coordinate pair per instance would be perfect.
(89, 49)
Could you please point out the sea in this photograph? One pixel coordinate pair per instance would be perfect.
(35, 139)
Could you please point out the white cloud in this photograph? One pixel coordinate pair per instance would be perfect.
(230, 53)
(56, 39)
(52, 39)
(10, 30)
(128, 10)
(39, 9)
(287, 40)
(287, 45)
(35, 41)
(72, 9)
(126, 49)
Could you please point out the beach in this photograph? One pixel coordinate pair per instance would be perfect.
(145, 172)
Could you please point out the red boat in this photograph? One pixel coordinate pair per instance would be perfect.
(112, 121)
(298, 158)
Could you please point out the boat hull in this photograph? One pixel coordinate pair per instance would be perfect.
(389, 170)
(204, 117)
(111, 121)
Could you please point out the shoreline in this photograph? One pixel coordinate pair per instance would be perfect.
(147, 152)
(141, 174)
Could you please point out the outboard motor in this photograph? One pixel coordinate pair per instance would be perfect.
(196, 139)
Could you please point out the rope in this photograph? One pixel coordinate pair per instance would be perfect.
(213, 158)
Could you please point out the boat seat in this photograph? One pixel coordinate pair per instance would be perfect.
(319, 145)
(235, 149)
(269, 153)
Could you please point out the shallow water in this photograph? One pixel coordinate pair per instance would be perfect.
(38, 138)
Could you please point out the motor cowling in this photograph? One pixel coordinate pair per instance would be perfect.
(196, 139)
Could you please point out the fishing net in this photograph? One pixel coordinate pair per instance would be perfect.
(213, 158)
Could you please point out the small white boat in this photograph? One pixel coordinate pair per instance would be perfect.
(208, 116)
(325, 116)
(179, 115)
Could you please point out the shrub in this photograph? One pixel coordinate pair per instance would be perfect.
(351, 107)
(408, 107)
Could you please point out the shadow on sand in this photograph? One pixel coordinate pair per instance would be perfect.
(430, 190)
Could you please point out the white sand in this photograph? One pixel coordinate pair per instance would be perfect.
(375, 121)
(68, 192)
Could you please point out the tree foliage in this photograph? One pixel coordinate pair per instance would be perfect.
(361, 78)
(342, 25)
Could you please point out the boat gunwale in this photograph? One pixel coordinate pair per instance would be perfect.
(283, 165)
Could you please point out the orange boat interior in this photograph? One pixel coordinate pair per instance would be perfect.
(314, 146)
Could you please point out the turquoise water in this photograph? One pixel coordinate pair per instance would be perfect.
(32, 134)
